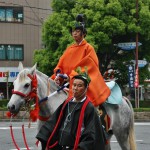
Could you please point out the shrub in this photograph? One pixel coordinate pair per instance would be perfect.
(141, 109)
(4, 102)
(142, 103)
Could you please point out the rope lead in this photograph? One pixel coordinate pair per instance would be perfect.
(13, 139)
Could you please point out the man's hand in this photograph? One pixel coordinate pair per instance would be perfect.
(57, 80)
(61, 78)
(66, 79)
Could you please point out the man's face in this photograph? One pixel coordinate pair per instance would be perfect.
(78, 88)
(77, 35)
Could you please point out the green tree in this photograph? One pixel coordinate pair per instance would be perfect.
(108, 22)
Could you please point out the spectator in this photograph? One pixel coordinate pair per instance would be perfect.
(1, 96)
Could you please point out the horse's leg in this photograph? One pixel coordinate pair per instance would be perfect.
(39, 125)
(125, 133)
(131, 130)
(123, 140)
(122, 134)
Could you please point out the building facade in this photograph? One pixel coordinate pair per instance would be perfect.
(21, 26)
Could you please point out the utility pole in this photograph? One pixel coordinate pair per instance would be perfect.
(7, 84)
(136, 65)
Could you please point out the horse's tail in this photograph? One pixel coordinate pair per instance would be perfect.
(131, 131)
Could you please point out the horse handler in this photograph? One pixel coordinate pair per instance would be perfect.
(75, 125)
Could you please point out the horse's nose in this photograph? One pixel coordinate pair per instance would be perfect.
(11, 108)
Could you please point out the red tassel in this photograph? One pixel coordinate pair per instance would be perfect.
(107, 142)
(34, 115)
(37, 143)
(8, 114)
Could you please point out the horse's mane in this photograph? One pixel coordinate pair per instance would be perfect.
(22, 74)
(41, 74)
(46, 78)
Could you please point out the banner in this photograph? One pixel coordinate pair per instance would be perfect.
(136, 83)
(128, 45)
(131, 76)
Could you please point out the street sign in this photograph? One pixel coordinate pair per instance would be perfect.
(128, 45)
(141, 63)
(131, 75)
(11, 72)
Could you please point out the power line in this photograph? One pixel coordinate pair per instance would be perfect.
(34, 12)
(33, 19)
(30, 18)
(26, 6)
(36, 25)
(33, 7)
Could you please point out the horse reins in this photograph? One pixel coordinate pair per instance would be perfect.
(12, 133)
(28, 97)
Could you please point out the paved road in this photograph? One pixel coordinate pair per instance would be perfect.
(142, 132)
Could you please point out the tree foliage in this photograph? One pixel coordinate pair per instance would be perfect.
(108, 22)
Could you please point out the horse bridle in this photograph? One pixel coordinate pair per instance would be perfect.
(32, 95)
(28, 97)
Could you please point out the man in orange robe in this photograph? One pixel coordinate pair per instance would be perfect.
(82, 54)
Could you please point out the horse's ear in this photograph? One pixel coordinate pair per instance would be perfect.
(33, 69)
(20, 67)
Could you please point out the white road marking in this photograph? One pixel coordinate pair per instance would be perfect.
(7, 128)
(142, 123)
(114, 141)
(34, 126)
(22, 148)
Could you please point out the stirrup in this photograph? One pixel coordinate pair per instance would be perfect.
(107, 135)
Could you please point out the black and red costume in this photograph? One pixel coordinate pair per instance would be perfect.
(65, 134)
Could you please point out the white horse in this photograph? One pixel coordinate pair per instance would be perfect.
(121, 116)
(45, 86)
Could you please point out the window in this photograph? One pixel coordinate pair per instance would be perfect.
(2, 14)
(11, 14)
(2, 52)
(11, 52)
(18, 52)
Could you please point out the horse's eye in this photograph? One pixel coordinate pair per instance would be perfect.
(26, 85)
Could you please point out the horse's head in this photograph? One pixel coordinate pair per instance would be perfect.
(23, 85)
